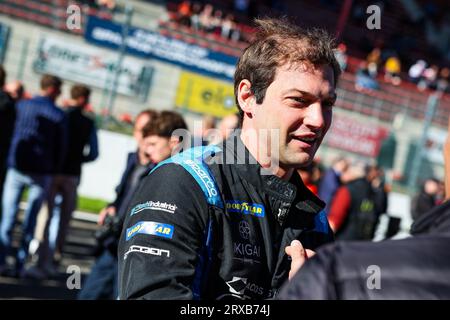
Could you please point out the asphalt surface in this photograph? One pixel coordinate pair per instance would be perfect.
(78, 251)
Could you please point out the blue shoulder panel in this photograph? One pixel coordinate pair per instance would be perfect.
(192, 160)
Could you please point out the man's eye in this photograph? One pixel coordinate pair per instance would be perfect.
(299, 100)
(328, 104)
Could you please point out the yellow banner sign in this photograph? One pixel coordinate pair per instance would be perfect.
(205, 95)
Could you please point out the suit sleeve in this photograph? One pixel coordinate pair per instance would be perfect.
(162, 236)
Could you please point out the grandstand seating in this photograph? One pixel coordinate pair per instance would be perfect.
(382, 104)
(49, 13)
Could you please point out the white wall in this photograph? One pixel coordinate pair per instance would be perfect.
(100, 178)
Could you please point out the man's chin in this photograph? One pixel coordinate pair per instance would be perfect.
(298, 160)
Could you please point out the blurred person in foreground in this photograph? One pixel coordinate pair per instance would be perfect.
(7, 118)
(82, 147)
(37, 151)
(102, 281)
(412, 268)
(234, 208)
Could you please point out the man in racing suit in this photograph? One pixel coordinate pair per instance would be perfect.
(219, 222)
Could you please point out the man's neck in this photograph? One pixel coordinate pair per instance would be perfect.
(48, 96)
(263, 156)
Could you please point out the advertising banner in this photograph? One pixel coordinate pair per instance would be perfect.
(356, 136)
(87, 65)
(145, 43)
(205, 95)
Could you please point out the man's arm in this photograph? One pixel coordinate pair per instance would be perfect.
(93, 146)
(162, 236)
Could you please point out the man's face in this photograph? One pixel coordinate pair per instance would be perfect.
(299, 103)
(157, 148)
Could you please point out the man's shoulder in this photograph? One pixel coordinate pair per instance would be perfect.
(5, 100)
(171, 174)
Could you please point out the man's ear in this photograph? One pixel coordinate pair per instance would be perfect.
(174, 141)
(245, 96)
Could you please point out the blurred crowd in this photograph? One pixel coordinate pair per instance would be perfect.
(206, 18)
(386, 64)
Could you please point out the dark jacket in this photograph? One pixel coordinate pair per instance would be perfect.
(39, 141)
(412, 268)
(123, 186)
(124, 193)
(422, 203)
(7, 119)
(362, 216)
(81, 132)
(175, 245)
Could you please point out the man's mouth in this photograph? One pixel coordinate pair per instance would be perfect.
(308, 140)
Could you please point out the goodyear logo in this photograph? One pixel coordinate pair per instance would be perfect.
(245, 208)
(151, 228)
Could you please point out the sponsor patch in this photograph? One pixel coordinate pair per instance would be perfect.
(154, 205)
(152, 228)
(243, 207)
(147, 250)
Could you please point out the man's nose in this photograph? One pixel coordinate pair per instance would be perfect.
(314, 117)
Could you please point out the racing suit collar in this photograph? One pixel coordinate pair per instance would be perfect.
(291, 191)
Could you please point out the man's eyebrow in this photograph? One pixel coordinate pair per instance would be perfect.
(332, 96)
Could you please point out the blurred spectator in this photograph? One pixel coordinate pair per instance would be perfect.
(195, 16)
(206, 18)
(229, 28)
(16, 90)
(364, 81)
(102, 281)
(415, 72)
(392, 70)
(373, 61)
(444, 79)
(331, 181)
(184, 13)
(109, 5)
(381, 190)
(425, 200)
(341, 56)
(82, 146)
(430, 76)
(201, 133)
(217, 22)
(226, 126)
(7, 118)
(308, 176)
(354, 211)
(36, 154)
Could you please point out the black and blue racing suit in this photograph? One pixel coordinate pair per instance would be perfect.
(215, 228)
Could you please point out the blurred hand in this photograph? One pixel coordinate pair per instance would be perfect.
(108, 211)
(298, 255)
